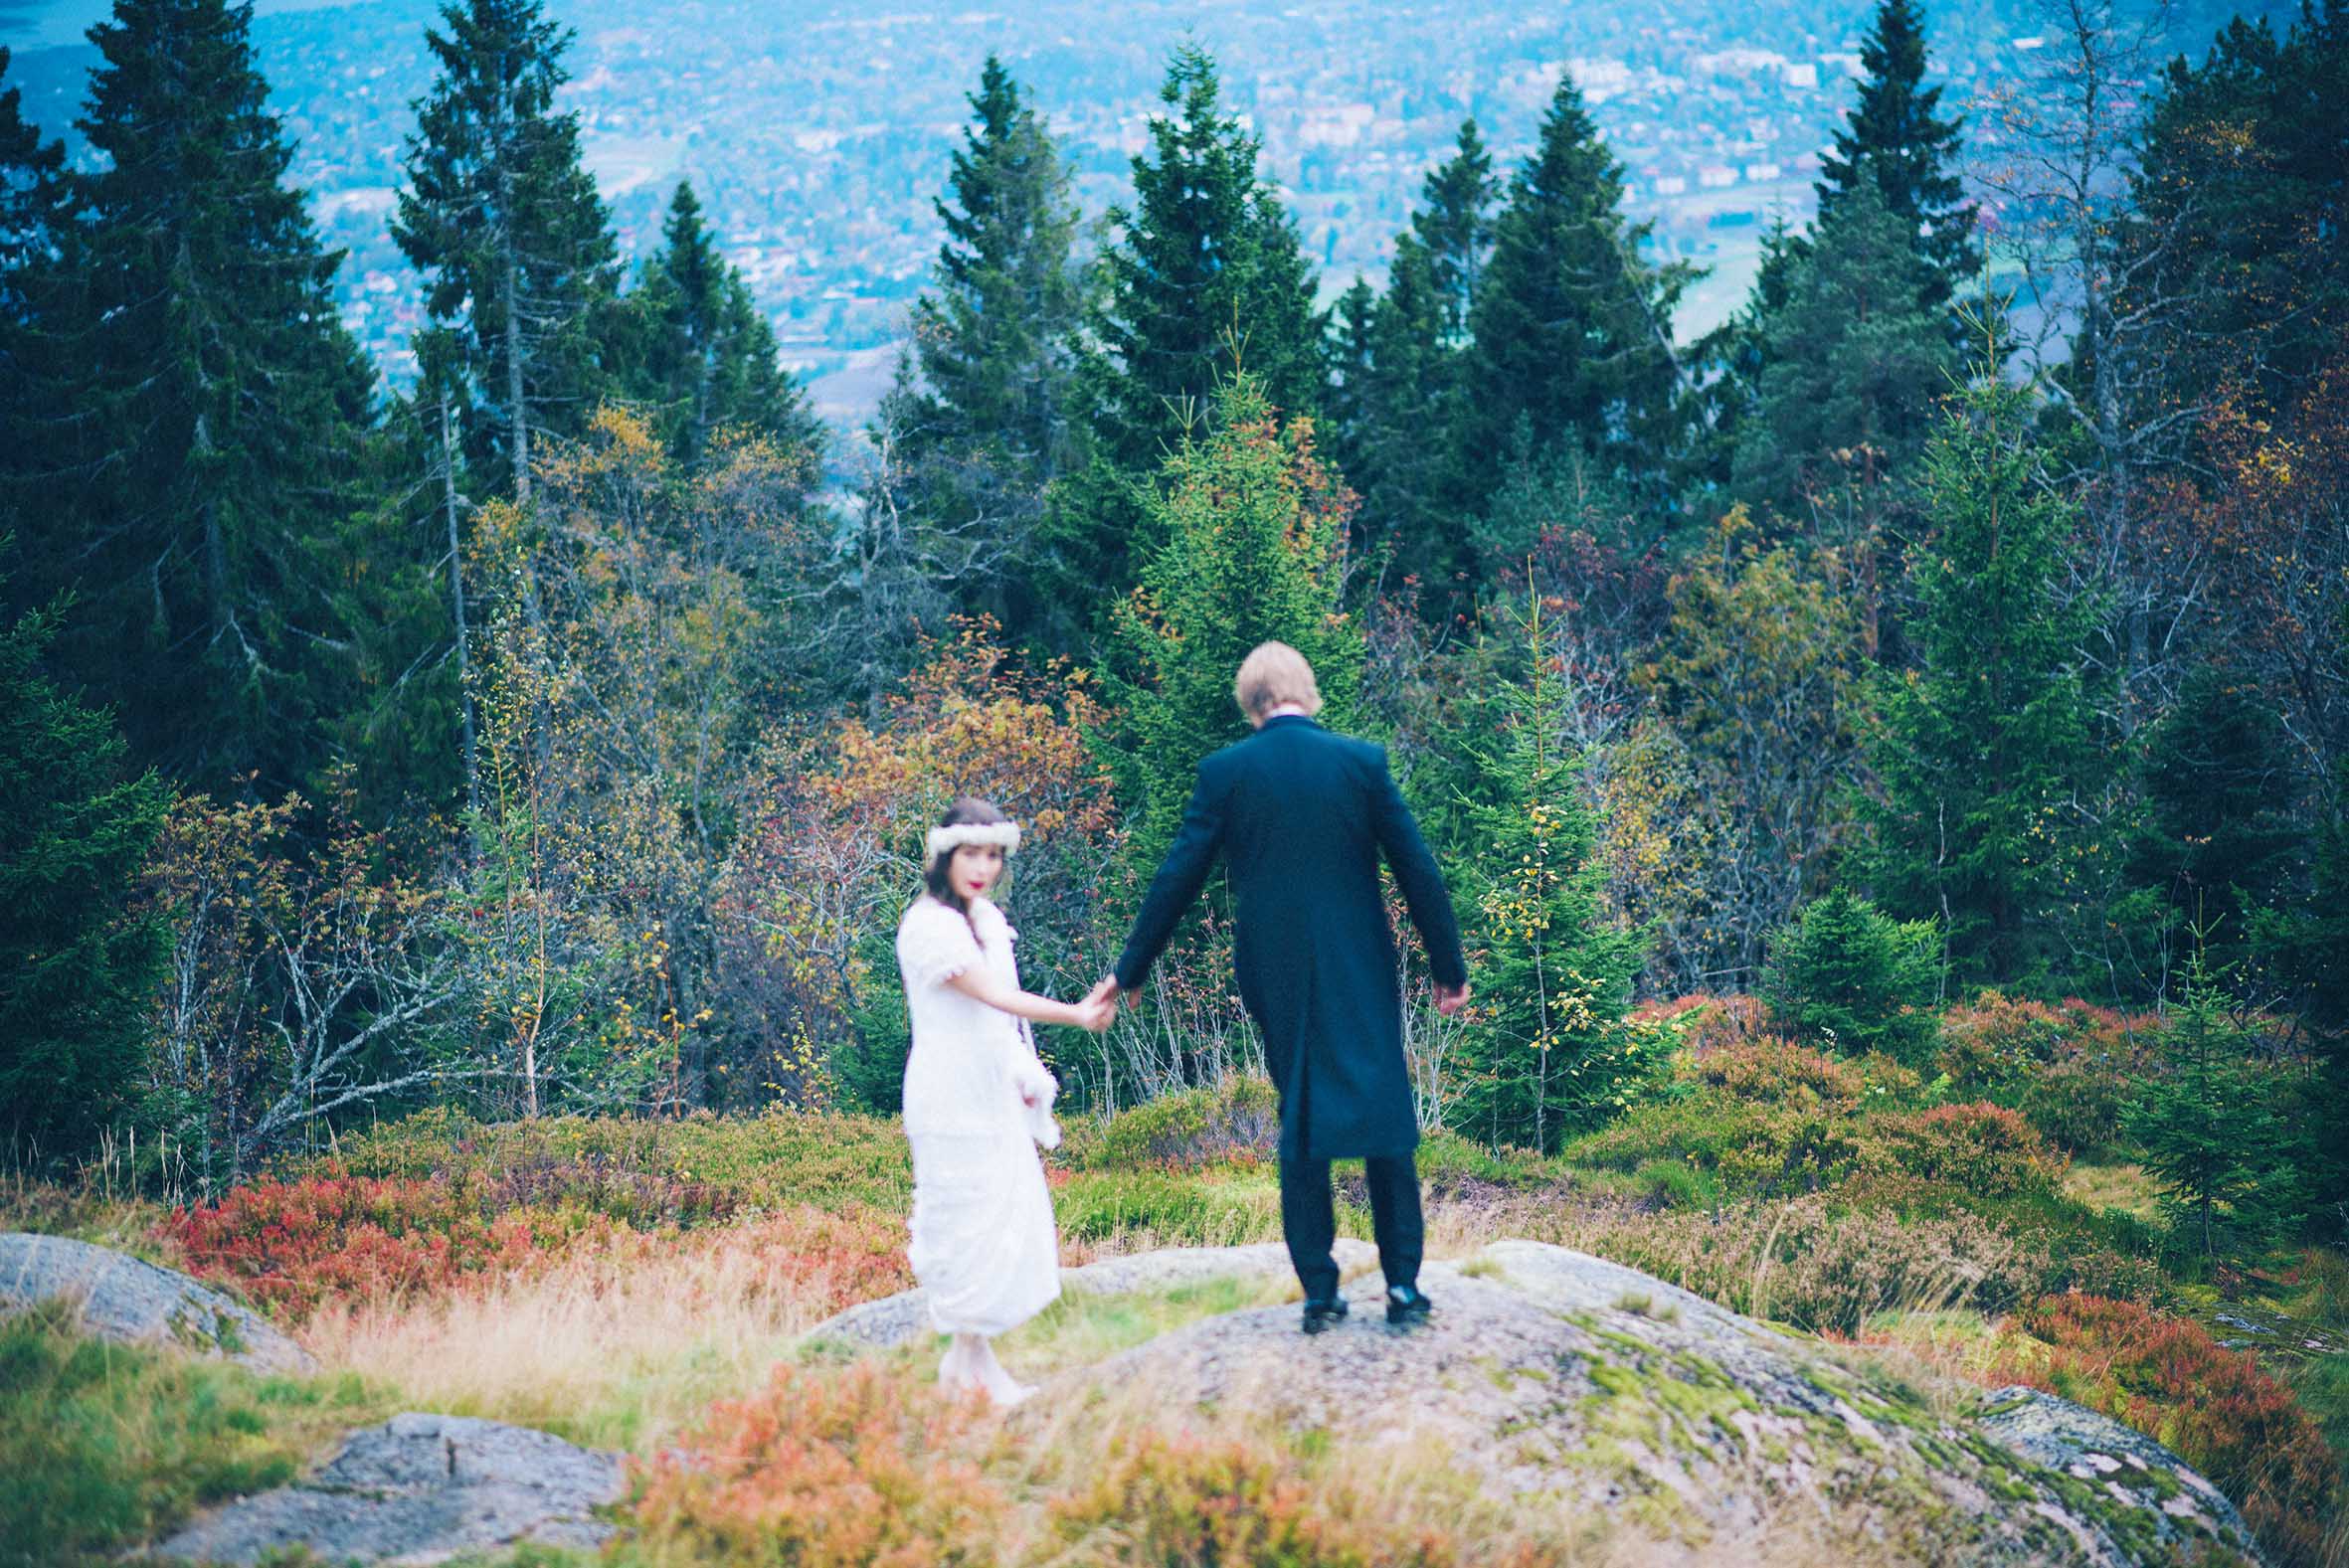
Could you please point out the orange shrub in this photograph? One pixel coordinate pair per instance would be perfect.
(2166, 1377)
(1984, 1150)
(1776, 1071)
(860, 1467)
(1191, 1499)
(1709, 1023)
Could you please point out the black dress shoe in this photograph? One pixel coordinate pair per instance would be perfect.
(1406, 1305)
(1320, 1314)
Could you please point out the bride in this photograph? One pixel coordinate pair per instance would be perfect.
(978, 1102)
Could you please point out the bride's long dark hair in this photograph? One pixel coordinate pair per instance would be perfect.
(968, 811)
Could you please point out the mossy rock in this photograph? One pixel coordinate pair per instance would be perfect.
(1572, 1384)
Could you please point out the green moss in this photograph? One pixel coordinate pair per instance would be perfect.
(105, 1445)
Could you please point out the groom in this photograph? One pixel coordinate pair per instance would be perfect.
(1301, 816)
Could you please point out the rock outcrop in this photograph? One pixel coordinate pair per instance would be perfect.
(904, 1317)
(1548, 1374)
(419, 1489)
(126, 1300)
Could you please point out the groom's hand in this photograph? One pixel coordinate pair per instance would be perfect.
(1449, 1000)
(1105, 991)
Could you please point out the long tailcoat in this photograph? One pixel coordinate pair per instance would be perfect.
(1301, 816)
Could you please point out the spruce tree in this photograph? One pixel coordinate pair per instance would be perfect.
(1248, 524)
(1894, 141)
(1207, 280)
(195, 415)
(2215, 841)
(1981, 751)
(1454, 223)
(1549, 1056)
(1403, 364)
(1844, 972)
(504, 221)
(697, 348)
(992, 335)
(1853, 365)
(78, 966)
(34, 198)
(2215, 1131)
(1572, 329)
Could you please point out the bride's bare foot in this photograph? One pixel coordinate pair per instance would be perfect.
(989, 1374)
(957, 1370)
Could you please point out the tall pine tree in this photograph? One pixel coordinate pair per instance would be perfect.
(1207, 280)
(1853, 364)
(1982, 751)
(78, 968)
(1401, 363)
(697, 350)
(993, 337)
(195, 414)
(1571, 328)
(1455, 225)
(503, 219)
(1895, 140)
(979, 422)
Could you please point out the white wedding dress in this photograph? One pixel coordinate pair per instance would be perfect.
(984, 1247)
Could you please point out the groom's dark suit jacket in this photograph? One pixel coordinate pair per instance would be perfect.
(1301, 816)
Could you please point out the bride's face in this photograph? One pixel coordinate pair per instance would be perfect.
(974, 868)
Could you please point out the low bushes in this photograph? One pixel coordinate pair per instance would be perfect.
(292, 1246)
(1237, 1120)
(2166, 1377)
(777, 1161)
(823, 1469)
(2071, 1069)
(1982, 1149)
(1190, 1499)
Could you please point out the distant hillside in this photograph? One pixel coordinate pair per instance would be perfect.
(817, 133)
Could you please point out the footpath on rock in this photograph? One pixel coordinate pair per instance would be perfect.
(1555, 1378)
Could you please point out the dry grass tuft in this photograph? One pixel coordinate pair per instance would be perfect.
(615, 1350)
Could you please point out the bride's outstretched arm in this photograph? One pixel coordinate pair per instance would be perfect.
(1092, 1013)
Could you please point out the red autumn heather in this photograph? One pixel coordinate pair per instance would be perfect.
(2166, 1377)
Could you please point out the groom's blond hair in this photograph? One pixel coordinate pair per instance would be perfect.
(1272, 675)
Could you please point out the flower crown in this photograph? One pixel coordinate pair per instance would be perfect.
(944, 841)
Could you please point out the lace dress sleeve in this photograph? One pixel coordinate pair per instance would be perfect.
(934, 945)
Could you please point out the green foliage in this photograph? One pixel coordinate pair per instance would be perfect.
(1250, 526)
(2213, 1130)
(187, 417)
(103, 1446)
(2072, 1068)
(1896, 147)
(1844, 971)
(1855, 361)
(992, 338)
(1399, 365)
(1569, 325)
(1731, 803)
(1236, 1120)
(1982, 750)
(2215, 838)
(1549, 1053)
(78, 963)
(693, 345)
(1206, 282)
(499, 211)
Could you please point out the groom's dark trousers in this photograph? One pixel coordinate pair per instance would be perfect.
(1308, 1219)
(1302, 819)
